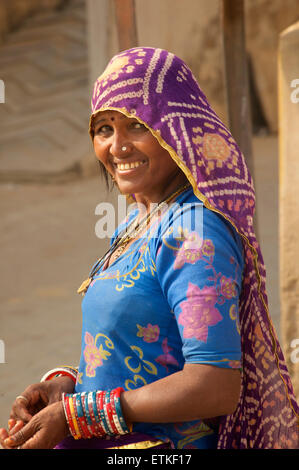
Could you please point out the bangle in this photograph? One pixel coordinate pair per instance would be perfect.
(95, 413)
(119, 413)
(101, 414)
(60, 371)
(87, 434)
(109, 413)
(111, 431)
(74, 417)
(68, 415)
(117, 422)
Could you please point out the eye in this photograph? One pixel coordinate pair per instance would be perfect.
(137, 125)
(102, 130)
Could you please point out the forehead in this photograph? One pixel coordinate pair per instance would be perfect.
(103, 116)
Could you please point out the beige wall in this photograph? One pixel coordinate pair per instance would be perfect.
(188, 28)
(192, 30)
(289, 197)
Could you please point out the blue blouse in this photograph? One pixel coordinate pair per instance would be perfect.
(170, 299)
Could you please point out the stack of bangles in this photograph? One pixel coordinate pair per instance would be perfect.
(94, 414)
(91, 414)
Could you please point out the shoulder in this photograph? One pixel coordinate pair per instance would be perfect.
(188, 219)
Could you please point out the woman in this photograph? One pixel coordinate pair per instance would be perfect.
(175, 317)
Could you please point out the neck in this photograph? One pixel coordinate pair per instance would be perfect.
(145, 202)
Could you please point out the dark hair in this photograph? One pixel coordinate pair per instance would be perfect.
(106, 176)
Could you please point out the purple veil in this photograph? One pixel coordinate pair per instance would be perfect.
(157, 88)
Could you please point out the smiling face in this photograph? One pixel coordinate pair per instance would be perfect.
(134, 158)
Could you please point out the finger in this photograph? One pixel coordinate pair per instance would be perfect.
(11, 423)
(3, 436)
(20, 412)
(17, 439)
(23, 399)
(37, 441)
(18, 425)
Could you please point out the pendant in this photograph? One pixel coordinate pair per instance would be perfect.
(84, 286)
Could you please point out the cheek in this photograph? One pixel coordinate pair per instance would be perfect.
(165, 163)
(99, 150)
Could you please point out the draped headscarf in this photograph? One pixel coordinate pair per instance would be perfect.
(159, 90)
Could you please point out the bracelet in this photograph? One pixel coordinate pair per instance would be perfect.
(108, 413)
(61, 371)
(118, 418)
(100, 404)
(86, 431)
(67, 415)
(119, 412)
(95, 413)
(70, 415)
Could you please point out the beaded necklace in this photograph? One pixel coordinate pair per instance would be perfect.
(128, 234)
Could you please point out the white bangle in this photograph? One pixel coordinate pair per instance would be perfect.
(60, 371)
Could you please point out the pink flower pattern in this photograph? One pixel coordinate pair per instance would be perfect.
(199, 312)
(166, 358)
(190, 251)
(227, 287)
(92, 355)
(193, 249)
(150, 334)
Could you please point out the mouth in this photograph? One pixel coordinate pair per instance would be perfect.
(129, 167)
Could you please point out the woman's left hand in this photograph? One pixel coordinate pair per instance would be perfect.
(44, 431)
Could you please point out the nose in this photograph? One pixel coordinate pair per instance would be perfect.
(120, 145)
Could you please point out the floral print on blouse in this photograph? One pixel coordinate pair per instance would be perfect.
(171, 299)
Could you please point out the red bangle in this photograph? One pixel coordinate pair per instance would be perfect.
(110, 417)
(98, 430)
(86, 434)
(73, 398)
(114, 394)
(69, 418)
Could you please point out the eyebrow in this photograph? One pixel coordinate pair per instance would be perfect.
(102, 119)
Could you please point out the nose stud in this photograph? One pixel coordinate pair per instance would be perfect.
(124, 149)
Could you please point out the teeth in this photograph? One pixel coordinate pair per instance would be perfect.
(128, 166)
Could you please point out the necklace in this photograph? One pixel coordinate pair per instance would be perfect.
(128, 234)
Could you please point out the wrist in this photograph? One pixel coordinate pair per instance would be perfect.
(95, 414)
(62, 418)
(65, 384)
